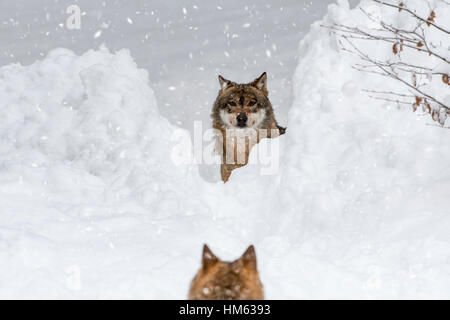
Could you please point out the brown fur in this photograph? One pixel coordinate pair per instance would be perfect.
(218, 280)
(252, 100)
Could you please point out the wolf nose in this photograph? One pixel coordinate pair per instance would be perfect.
(241, 119)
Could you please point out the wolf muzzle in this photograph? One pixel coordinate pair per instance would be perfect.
(241, 119)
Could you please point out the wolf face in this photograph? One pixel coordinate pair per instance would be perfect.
(218, 280)
(243, 105)
(244, 111)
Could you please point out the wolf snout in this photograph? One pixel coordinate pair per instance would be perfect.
(241, 119)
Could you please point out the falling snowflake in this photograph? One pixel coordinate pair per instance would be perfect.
(98, 34)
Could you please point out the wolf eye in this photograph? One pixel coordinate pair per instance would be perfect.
(251, 103)
(232, 103)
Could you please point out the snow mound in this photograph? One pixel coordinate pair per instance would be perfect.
(85, 120)
(84, 159)
(94, 207)
(365, 182)
(360, 206)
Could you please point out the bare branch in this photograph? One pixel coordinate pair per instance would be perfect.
(409, 39)
(409, 73)
(390, 72)
(390, 93)
(390, 100)
(413, 14)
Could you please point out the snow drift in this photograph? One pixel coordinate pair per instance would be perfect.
(93, 207)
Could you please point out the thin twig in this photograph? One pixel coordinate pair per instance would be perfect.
(391, 100)
(413, 14)
(390, 93)
(392, 74)
(411, 42)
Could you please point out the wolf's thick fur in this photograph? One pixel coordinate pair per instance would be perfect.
(218, 280)
(242, 110)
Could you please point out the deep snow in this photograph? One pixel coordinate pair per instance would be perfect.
(93, 207)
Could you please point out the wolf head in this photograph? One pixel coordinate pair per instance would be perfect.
(219, 280)
(243, 105)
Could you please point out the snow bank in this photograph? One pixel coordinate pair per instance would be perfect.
(93, 207)
(360, 206)
(365, 183)
(84, 168)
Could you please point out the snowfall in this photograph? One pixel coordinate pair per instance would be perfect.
(100, 196)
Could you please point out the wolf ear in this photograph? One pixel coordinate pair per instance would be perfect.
(261, 82)
(224, 83)
(249, 258)
(208, 258)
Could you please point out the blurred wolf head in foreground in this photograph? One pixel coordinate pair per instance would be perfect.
(219, 280)
(242, 112)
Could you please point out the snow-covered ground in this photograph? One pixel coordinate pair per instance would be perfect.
(92, 205)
